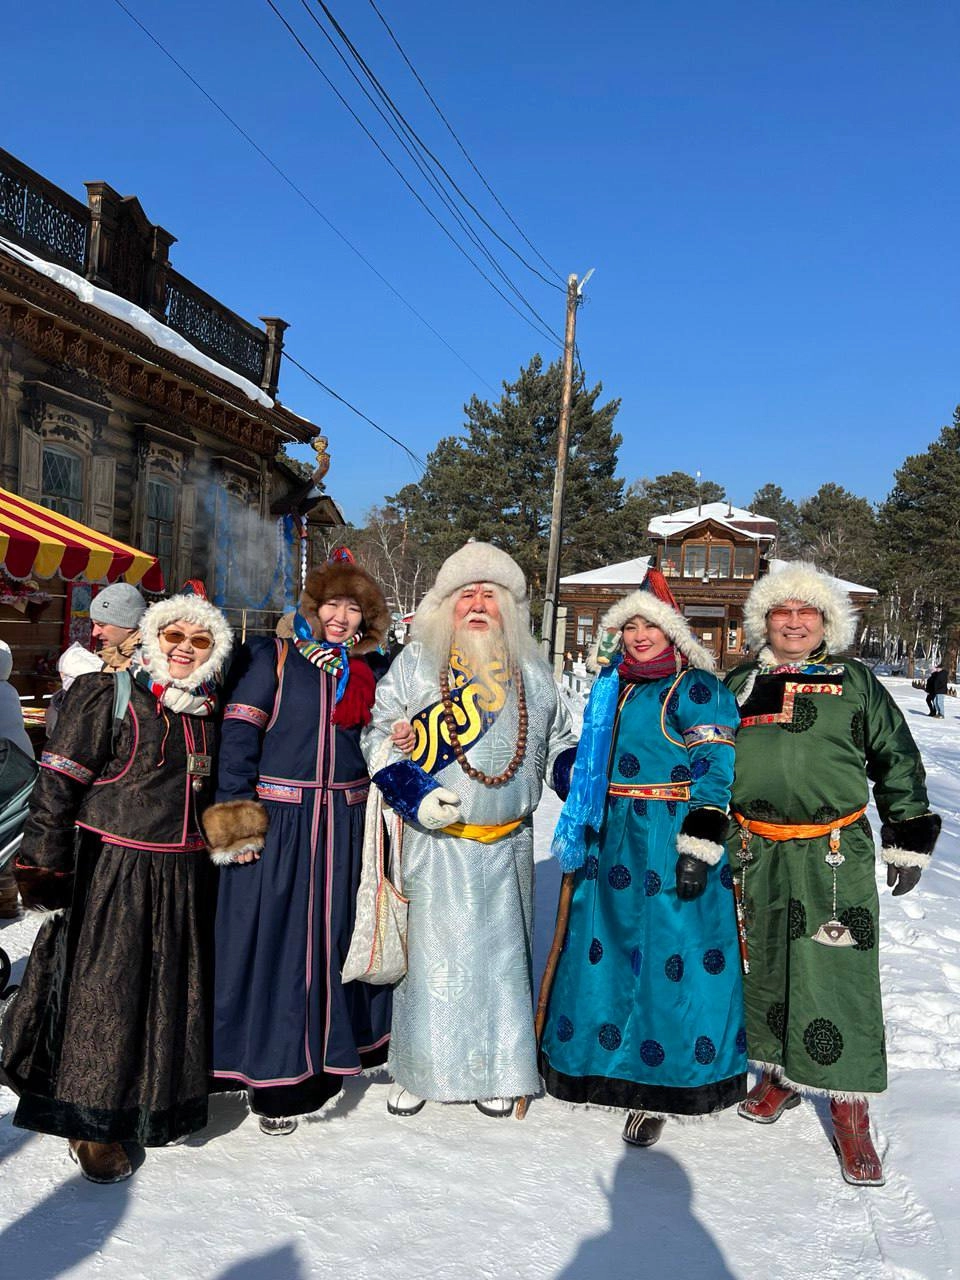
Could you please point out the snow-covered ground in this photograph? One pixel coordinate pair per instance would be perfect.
(451, 1195)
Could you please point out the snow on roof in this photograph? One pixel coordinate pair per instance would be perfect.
(113, 305)
(731, 517)
(849, 587)
(626, 573)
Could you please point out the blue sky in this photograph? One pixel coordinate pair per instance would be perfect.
(769, 193)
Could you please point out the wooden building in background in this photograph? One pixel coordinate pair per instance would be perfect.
(134, 402)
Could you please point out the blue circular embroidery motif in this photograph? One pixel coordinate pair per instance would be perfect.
(680, 773)
(741, 1041)
(673, 968)
(699, 693)
(596, 951)
(726, 877)
(704, 1051)
(610, 1036)
(619, 876)
(700, 768)
(652, 1053)
(628, 765)
(591, 867)
(640, 807)
(636, 960)
(564, 1029)
(651, 883)
(713, 961)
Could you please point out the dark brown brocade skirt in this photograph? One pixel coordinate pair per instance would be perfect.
(106, 1038)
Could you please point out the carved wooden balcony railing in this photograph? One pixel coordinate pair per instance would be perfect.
(213, 328)
(40, 216)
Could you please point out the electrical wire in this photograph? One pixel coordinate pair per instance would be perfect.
(403, 178)
(415, 457)
(466, 154)
(427, 174)
(303, 195)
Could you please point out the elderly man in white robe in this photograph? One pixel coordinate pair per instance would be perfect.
(476, 725)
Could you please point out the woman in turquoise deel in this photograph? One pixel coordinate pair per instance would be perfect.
(646, 1007)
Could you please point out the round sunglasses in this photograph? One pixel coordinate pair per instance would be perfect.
(173, 636)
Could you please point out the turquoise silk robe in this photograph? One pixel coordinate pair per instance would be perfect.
(646, 1010)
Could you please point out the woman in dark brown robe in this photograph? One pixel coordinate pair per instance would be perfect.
(105, 1042)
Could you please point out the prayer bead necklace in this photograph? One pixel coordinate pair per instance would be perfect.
(486, 779)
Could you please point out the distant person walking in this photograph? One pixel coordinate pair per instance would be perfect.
(936, 688)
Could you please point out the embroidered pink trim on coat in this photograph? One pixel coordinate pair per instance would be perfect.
(69, 768)
(250, 715)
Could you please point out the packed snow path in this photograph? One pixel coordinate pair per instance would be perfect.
(451, 1195)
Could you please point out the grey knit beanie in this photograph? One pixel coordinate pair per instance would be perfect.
(120, 605)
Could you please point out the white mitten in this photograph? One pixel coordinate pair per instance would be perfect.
(438, 808)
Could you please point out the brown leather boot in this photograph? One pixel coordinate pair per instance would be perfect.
(642, 1130)
(767, 1100)
(9, 902)
(859, 1162)
(100, 1161)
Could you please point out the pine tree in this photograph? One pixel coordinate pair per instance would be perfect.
(495, 482)
(769, 501)
(838, 531)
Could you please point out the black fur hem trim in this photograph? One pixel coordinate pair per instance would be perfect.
(633, 1096)
(43, 889)
(917, 835)
(706, 824)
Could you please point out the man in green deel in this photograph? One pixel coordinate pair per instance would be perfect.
(814, 729)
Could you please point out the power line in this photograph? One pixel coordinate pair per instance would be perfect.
(424, 171)
(415, 457)
(463, 149)
(302, 194)
(420, 142)
(402, 176)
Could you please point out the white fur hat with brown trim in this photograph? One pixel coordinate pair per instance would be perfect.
(803, 581)
(674, 626)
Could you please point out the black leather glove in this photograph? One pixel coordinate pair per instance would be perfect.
(902, 879)
(691, 877)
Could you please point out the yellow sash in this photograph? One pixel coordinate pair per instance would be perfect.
(483, 835)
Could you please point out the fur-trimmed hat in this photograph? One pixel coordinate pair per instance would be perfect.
(201, 613)
(476, 562)
(673, 625)
(343, 577)
(800, 580)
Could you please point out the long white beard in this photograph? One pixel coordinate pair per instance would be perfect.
(479, 648)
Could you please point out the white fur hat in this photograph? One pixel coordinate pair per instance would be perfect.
(6, 660)
(800, 580)
(673, 625)
(479, 562)
(186, 608)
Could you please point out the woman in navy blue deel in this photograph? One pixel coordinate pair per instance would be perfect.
(646, 1009)
(287, 830)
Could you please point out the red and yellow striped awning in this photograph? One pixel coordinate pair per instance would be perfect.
(37, 542)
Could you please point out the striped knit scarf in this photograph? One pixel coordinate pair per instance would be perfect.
(328, 656)
(200, 701)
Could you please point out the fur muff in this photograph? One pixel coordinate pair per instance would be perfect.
(234, 827)
(674, 626)
(800, 580)
(42, 889)
(910, 842)
(341, 578)
(702, 835)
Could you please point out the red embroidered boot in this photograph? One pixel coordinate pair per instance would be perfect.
(859, 1162)
(768, 1100)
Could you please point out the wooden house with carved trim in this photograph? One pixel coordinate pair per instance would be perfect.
(134, 402)
(711, 555)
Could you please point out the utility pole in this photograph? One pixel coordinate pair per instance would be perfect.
(574, 293)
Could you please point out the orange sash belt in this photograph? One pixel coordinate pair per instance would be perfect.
(797, 830)
(651, 791)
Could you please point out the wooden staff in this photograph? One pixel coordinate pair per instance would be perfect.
(546, 982)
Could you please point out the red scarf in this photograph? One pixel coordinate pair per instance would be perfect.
(658, 668)
(354, 707)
